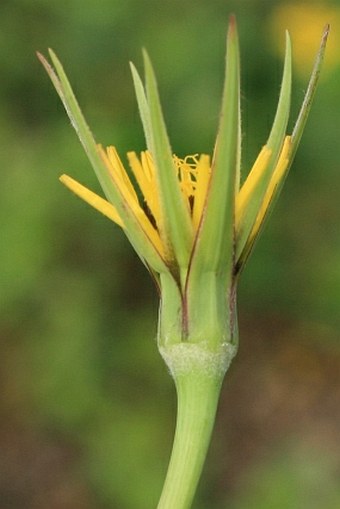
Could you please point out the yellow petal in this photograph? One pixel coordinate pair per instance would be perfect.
(129, 195)
(186, 176)
(278, 175)
(246, 191)
(118, 173)
(194, 174)
(202, 181)
(92, 199)
(144, 172)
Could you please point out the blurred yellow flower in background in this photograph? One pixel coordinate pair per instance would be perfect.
(304, 21)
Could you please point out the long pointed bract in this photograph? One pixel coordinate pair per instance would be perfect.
(309, 96)
(142, 105)
(138, 238)
(250, 200)
(215, 238)
(175, 213)
(293, 142)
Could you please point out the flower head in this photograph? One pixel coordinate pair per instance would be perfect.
(189, 217)
(303, 19)
(193, 225)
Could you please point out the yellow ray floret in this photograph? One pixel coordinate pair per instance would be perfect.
(194, 175)
(92, 199)
(244, 196)
(203, 173)
(278, 175)
(144, 173)
(129, 195)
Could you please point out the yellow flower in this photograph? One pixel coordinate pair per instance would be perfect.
(303, 20)
(188, 216)
(193, 175)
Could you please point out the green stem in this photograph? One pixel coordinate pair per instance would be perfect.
(198, 385)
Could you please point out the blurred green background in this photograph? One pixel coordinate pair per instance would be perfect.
(87, 408)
